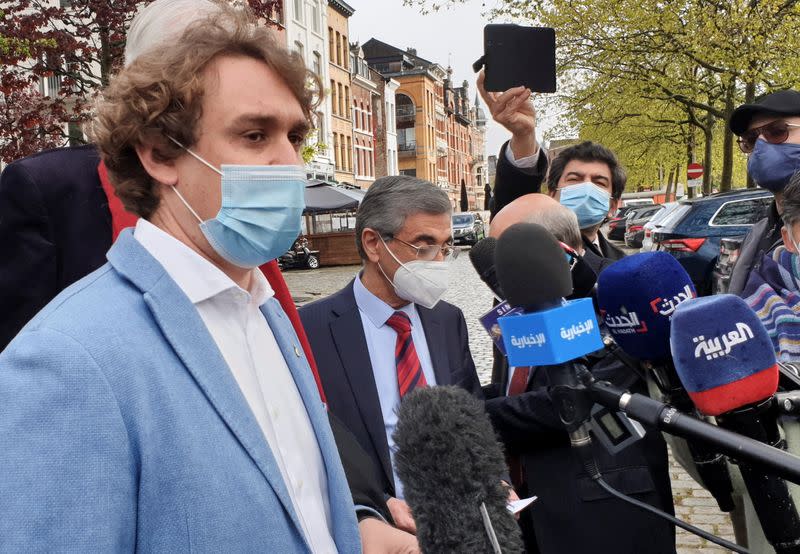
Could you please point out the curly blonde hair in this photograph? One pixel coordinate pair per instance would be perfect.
(160, 95)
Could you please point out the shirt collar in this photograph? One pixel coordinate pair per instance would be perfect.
(197, 277)
(376, 310)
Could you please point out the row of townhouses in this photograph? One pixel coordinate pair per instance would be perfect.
(387, 111)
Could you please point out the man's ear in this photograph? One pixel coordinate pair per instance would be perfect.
(370, 242)
(161, 170)
(787, 241)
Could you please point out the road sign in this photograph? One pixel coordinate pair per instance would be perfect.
(694, 182)
(694, 171)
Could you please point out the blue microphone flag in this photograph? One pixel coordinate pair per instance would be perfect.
(551, 336)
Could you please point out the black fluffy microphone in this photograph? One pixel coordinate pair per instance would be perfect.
(450, 463)
(535, 275)
(482, 257)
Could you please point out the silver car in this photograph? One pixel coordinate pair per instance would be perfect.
(656, 222)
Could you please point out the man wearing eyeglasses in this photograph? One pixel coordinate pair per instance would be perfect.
(769, 133)
(388, 332)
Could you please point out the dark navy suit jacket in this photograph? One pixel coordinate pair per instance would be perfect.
(55, 227)
(334, 328)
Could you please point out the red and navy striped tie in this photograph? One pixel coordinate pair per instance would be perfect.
(409, 370)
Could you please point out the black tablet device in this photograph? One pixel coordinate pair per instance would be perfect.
(515, 55)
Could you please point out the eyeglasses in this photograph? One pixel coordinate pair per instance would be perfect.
(430, 251)
(570, 254)
(775, 132)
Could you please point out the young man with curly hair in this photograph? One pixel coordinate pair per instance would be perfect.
(163, 402)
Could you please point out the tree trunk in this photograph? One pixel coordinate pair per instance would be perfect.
(708, 135)
(691, 145)
(749, 98)
(105, 56)
(726, 180)
(670, 185)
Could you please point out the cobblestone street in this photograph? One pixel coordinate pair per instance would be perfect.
(467, 291)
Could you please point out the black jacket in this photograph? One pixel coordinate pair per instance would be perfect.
(55, 227)
(510, 182)
(607, 250)
(763, 237)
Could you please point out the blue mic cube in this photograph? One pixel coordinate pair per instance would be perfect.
(551, 336)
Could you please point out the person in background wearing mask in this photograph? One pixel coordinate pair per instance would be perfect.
(773, 286)
(388, 332)
(163, 402)
(769, 132)
(586, 178)
(766, 273)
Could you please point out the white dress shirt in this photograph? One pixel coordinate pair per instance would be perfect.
(526, 164)
(381, 340)
(247, 344)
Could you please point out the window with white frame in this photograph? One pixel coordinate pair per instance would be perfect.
(299, 7)
(315, 19)
(316, 62)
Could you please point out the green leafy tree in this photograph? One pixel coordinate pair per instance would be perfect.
(679, 66)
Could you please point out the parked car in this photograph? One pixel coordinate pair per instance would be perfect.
(634, 225)
(637, 202)
(467, 228)
(656, 222)
(300, 255)
(616, 225)
(696, 228)
(729, 249)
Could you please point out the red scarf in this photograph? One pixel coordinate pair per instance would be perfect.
(120, 219)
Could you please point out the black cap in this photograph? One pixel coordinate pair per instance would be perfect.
(784, 102)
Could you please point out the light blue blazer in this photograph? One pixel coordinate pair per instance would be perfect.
(122, 428)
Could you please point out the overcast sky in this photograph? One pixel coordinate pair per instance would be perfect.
(454, 35)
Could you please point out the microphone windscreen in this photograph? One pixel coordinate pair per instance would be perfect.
(531, 266)
(482, 257)
(637, 295)
(723, 354)
(449, 461)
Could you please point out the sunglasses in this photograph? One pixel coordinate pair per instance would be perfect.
(774, 133)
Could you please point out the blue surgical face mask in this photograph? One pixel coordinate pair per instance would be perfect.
(260, 215)
(772, 165)
(588, 201)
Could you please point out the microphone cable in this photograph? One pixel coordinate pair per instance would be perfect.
(679, 523)
(591, 467)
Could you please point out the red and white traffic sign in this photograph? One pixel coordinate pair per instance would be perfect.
(694, 171)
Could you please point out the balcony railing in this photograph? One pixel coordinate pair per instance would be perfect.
(405, 113)
(406, 149)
